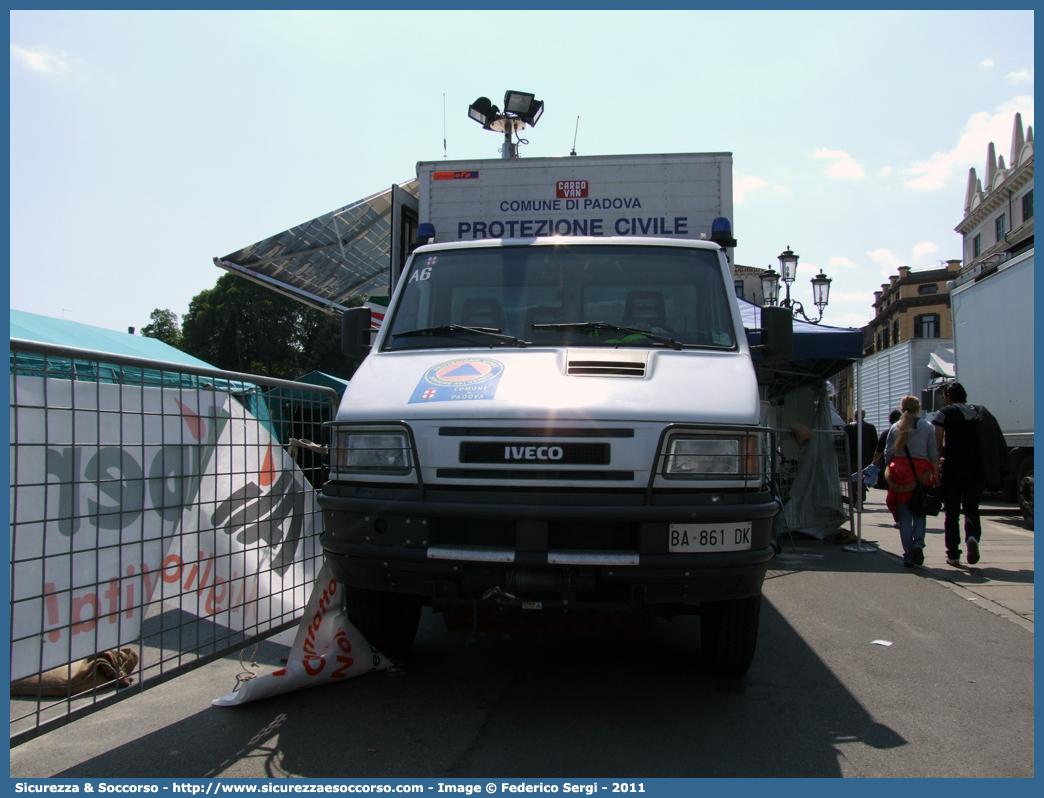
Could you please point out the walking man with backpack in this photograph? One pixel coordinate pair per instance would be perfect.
(963, 478)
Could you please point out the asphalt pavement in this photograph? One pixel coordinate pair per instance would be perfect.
(951, 696)
(1001, 582)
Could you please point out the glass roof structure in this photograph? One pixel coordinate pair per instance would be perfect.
(328, 260)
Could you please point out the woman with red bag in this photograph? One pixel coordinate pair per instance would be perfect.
(915, 437)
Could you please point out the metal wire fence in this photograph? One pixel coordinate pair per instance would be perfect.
(815, 480)
(162, 516)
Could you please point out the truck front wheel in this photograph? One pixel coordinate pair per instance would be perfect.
(1025, 483)
(388, 621)
(729, 635)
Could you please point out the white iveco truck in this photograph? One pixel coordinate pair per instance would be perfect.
(560, 414)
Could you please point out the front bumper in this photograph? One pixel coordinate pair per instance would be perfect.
(568, 548)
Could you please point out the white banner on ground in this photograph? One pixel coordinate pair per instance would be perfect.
(328, 648)
(124, 495)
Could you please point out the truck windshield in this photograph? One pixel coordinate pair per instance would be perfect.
(582, 295)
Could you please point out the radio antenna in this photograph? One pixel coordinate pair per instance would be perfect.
(577, 130)
(445, 152)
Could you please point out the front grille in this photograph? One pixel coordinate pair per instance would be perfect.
(471, 532)
(573, 496)
(535, 452)
(561, 535)
(534, 432)
(580, 536)
(534, 473)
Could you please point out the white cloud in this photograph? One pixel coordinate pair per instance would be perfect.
(859, 297)
(885, 257)
(981, 128)
(926, 248)
(986, 63)
(844, 263)
(856, 320)
(822, 152)
(888, 261)
(40, 60)
(1022, 76)
(743, 185)
(884, 171)
(846, 170)
(844, 166)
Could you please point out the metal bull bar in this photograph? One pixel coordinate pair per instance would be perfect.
(162, 516)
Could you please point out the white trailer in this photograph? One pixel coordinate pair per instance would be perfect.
(887, 376)
(992, 308)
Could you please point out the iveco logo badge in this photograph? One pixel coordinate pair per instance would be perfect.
(532, 452)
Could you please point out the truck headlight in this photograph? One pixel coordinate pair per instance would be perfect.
(712, 457)
(379, 452)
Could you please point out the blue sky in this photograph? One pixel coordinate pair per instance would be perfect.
(145, 143)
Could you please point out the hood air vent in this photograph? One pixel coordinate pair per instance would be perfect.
(605, 363)
(605, 368)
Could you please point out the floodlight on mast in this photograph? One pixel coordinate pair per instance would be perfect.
(520, 109)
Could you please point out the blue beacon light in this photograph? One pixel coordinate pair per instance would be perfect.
(721, 232)
(425, 233)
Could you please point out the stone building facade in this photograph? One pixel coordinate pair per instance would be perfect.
(747, 283)
(997, 224)
(998, 213)
(912, 305)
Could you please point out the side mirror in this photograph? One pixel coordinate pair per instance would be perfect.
(777, 333)
(355, 332)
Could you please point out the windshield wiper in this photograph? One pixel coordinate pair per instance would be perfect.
(604, 325)
(456, 329)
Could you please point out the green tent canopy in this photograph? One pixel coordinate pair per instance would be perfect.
(44, 329)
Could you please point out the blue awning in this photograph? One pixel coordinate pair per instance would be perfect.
(812, 341)
(819, 353)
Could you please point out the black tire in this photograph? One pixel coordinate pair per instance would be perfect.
(729, 635)
(1025, 483)
(1010, 489)
(388, 621)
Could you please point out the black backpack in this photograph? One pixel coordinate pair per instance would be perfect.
(993, 449)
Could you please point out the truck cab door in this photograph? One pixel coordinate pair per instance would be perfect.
(404, 218)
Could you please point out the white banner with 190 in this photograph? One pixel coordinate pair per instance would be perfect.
(123, 497)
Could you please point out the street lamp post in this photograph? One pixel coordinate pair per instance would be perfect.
(788, 261)
(770, 287)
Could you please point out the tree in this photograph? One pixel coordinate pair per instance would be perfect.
(321, 343)
(164, 327)
(239, 325)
